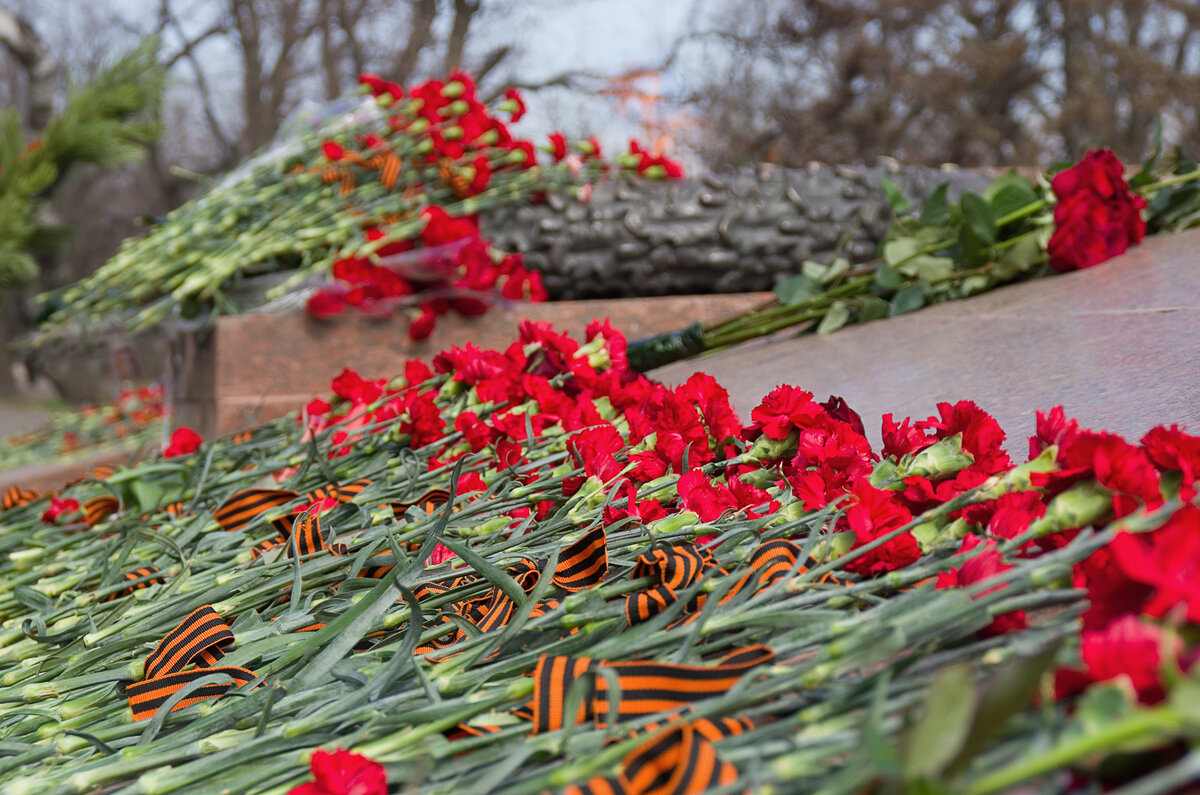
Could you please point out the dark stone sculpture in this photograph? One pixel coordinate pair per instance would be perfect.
(714, 234)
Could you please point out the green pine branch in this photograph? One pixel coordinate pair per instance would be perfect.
(106, 121)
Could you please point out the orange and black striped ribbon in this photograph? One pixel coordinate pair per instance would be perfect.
(16, 496)
(646, 688)
(675, 569)
(243, 437)
(428, 502)
(678, 761)
(197, 641)
(147, 576)
(242, 508)
(771, 562)
(95, 509)
(583, 563)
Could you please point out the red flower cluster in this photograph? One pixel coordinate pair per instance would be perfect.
(343, 773)
(454, 270)
(646, 160)
(184, 441)
(61, 511)
(1097, 217)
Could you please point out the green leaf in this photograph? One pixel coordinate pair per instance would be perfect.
(928, 267)
(936, 211)
(872, 307)
(33, 599)
(887, 277)
(147, 494)
(1010, 193)
(895, 197)
(836, 317)
(1008, 691)
(900, 250)
(977, 214)
(1018, 259)
(907, 300)
(933, 743)
(814, 270)
(796, 290)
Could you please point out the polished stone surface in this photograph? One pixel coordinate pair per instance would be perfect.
(1117, 345)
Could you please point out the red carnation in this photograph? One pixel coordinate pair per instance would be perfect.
(1127, 648)
(353, 387)
(784, 409)
(59, 507)
(558, 146)
(343, 773)
(983, 566)
(184, 441)
(514, 96)
(325, 304)
(333, 150)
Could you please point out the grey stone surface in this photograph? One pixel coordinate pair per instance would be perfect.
(1117, 345)
(737, 233)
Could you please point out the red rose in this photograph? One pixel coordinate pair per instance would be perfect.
(343, 773)
(184, 441)
(1097, 217)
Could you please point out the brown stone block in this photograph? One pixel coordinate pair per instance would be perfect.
(269, 364)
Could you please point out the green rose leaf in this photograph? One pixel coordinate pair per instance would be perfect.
(1018, 259)
(871, 307)
(907, 300)
(895, 197)
(896, 252)
(1010, 193)
(796, 290)
(977, 214)
(928, 267)
(936, 211)
(835, 318)
(888, 278)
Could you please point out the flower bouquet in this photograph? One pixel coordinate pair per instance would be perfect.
(536, 570)
(350, 190)
(133, 421)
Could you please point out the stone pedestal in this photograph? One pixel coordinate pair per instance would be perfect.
(260, 366)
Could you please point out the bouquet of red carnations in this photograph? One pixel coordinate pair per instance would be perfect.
(536, 570)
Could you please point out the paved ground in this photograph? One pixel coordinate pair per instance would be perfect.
(18, 418)
(1117, 345)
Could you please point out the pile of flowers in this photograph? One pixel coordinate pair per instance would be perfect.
(133, 420)
(537, 570)
(345, 197)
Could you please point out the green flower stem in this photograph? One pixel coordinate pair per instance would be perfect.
(1168, 182)
(1164, 721)
(1022, 212)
